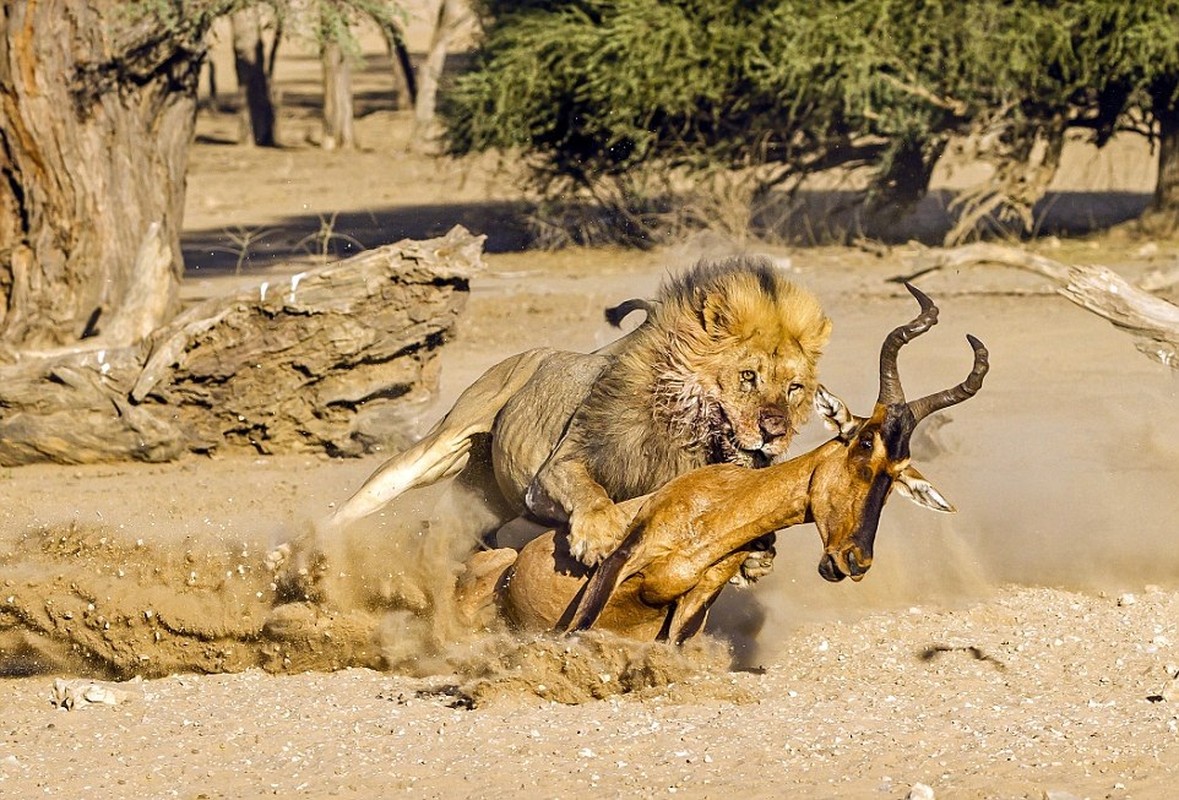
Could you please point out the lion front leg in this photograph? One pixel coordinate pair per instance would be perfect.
(563, 493)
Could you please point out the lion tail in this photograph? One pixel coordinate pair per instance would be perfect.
(616, 314)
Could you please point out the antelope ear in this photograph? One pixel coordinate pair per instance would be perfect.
(912, 484)
(835, 414)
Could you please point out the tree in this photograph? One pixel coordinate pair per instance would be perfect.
(96, 116)
(97, 107)
(448, 16)
(781, 89)
(253, 75)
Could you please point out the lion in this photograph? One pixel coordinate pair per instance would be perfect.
(724, 369)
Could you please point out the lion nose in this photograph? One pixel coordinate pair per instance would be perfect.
(774, 423)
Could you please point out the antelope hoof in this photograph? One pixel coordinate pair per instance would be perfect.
(857, 566)
(829, 569)
(837, 566)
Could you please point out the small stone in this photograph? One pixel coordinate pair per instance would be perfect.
(919, 791)
(1057, 794)
(1170, 692)
(1126, 599)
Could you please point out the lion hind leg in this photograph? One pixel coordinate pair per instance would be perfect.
(444, 451)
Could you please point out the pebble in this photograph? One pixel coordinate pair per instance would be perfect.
(1170, 692)
(1127, 599)
(919, 791)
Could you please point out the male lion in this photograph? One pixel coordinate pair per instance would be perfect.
(722, 370)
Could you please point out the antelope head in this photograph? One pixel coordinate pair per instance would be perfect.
(870, 455)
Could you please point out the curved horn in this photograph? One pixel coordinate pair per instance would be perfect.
(890, 379)
(927, 405)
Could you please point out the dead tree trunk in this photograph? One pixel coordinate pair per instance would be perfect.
(249, 60)
(1151, 320)
(326, 361)
(97, 109)
(337, 98)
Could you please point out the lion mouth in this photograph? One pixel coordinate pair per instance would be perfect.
(726, 448)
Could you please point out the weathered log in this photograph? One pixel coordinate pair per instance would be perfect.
(320, 362)
(1151, 320)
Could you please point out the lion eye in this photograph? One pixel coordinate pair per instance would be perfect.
(748, 379)
(793, 389)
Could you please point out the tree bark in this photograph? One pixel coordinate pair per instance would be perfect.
(1166, 113)
(330, 360)
(404, 85)
(249, 60)
(96, 116)
(337, 99)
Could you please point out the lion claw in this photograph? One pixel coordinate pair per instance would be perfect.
(756, 566)
(585, 551)
(593, 535)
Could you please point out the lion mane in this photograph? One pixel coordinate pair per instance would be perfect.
(722, 370)
(674, 399)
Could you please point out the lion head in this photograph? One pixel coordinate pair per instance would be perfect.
(743, 343)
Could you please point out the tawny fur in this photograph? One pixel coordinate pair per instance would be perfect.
(675, 398)
(687, 540)
(564, 436)
(658, 411)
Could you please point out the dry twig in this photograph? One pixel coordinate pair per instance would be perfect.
(1151, 320)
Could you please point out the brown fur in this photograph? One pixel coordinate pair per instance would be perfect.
(564, 436)
(678, 396)
(688, 539)
(673, 400)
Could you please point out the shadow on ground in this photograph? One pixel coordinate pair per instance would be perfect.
(807, 218)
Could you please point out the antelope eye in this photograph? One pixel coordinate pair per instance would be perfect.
(866, 442)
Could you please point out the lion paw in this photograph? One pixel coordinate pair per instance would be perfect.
(757, 564)
(594, 535)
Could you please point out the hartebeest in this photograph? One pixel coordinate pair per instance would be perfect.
(689, 538)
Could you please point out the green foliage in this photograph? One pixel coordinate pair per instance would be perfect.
(593, 90)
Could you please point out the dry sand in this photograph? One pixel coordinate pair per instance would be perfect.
(1025, 647)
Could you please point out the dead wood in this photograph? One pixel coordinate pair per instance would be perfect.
(326, 361)
(1151, 320)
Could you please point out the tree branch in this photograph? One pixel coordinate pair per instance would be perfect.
(1151, 320)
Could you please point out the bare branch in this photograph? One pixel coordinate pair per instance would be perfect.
(1153, 321)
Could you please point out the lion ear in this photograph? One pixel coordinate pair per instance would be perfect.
(815, 337)
(715, 313)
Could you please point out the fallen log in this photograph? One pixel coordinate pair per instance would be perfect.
(1151, 320)
(321, 362)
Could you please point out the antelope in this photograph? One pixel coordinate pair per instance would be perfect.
(688, 539)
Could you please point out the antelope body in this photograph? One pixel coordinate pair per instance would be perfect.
(687, 540)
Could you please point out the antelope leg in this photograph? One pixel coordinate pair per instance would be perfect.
(691, 610)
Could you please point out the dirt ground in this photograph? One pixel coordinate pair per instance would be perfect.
(1025, 647)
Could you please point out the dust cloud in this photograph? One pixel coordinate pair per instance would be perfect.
(87, 600)
(1064, 471)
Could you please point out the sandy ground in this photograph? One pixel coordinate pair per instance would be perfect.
(1025, 647)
